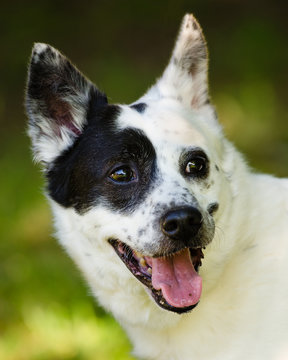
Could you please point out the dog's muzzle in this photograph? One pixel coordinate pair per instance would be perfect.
(171, 277)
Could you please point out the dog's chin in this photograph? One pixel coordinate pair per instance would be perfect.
(141, 267)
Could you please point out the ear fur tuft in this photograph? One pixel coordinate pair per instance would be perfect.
(58, 99)
(185, 77)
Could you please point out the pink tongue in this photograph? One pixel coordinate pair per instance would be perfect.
(175, 275)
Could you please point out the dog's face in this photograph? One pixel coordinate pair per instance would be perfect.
(142, 181)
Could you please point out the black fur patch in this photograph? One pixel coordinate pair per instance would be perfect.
(140, 107)
(212, 208)
(79, 177)
(54, 88)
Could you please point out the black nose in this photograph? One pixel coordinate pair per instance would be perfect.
(181, 223)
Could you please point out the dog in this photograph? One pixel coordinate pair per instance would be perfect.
(174, 234)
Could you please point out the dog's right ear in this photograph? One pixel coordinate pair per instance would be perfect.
(185, 77)
(58, 101)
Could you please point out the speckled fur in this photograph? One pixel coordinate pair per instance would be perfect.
(243, 311)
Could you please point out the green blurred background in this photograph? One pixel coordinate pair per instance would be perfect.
(46, 312)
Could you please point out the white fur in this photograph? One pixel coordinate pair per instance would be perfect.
(243, 311)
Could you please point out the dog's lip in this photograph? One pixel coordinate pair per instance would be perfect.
(141, 267)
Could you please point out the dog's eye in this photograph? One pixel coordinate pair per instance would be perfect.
(196, 166)
(123, 174)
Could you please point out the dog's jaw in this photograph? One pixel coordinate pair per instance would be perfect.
(162, 277)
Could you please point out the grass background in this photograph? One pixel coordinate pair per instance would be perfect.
(46, 311)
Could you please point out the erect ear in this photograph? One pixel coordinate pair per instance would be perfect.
(185, 77)
(58, 101)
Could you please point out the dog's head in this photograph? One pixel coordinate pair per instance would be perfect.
(140, 180)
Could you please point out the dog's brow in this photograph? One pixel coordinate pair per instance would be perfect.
(187, 152)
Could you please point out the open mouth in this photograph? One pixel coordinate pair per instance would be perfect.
(173, 280)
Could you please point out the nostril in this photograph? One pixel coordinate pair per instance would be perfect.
(191, 221)
(170, 226)
(195, 219)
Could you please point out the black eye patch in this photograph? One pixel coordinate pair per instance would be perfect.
(81, 176)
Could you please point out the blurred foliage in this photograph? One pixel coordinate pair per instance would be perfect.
(46, 311)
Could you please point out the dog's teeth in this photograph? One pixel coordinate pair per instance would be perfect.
(149, 270)
(142, 262)
(138, 255)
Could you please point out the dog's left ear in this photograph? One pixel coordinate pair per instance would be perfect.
(59, 100)
(185, 77)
